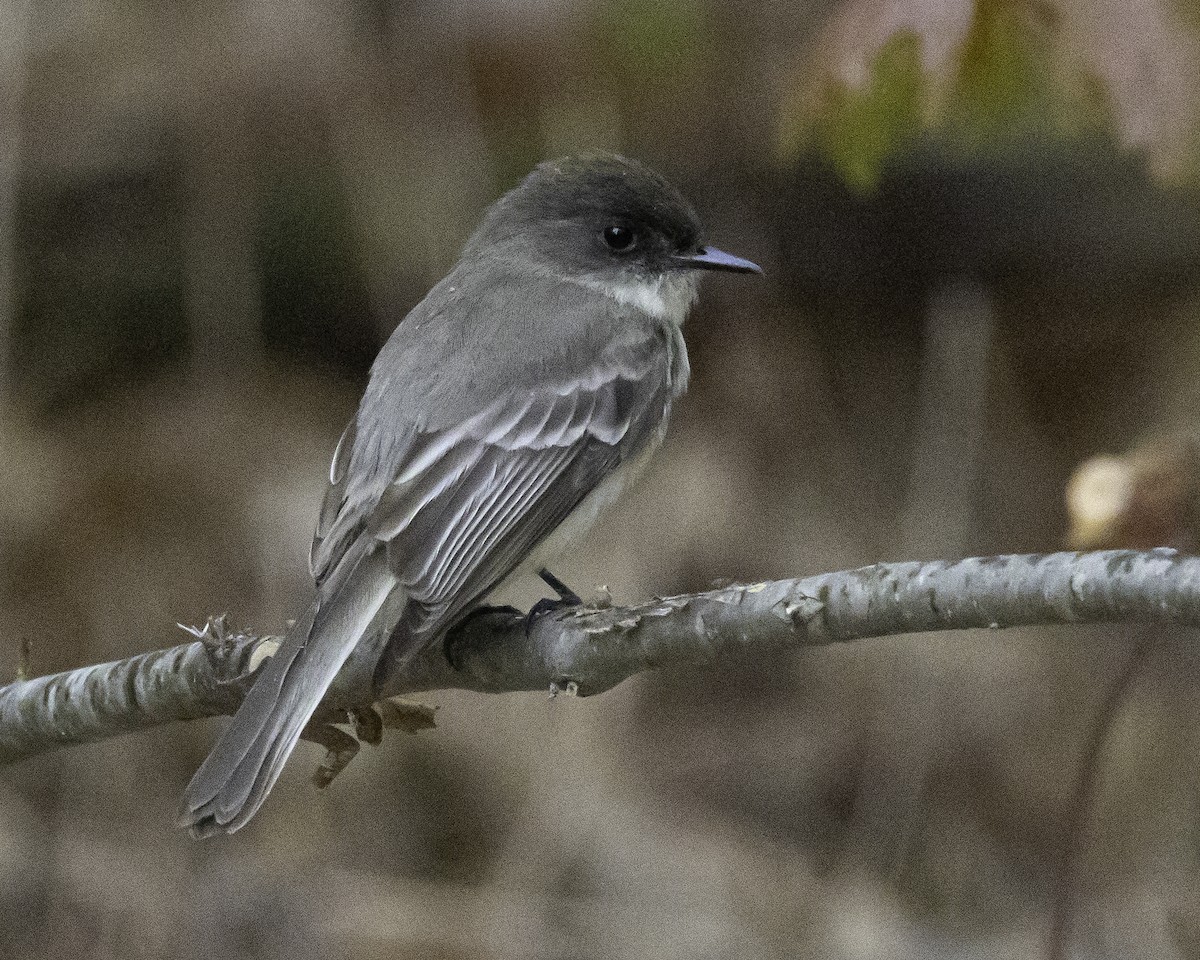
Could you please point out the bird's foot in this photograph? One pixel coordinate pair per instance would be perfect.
(566, 598)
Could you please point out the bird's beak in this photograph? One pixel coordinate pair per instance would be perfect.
(710, 258)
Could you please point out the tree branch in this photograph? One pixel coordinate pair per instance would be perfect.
(589, 650)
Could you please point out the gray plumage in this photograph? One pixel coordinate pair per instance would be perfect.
(543, 363)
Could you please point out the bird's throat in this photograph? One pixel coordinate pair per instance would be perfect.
(667, 297)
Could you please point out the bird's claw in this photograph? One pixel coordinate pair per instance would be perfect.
(545, 606)
(566, 598)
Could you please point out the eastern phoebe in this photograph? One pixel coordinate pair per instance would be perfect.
(504, 413)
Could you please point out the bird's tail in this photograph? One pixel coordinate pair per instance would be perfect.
(236, 777)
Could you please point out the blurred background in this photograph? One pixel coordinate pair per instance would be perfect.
(979, 332)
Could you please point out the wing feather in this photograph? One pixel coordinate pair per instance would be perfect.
(469, 501)
(527, 472)
(479, 535)
(336, 527)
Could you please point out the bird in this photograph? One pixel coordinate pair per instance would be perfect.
(507, 410)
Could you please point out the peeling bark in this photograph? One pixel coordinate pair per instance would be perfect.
(589, 650)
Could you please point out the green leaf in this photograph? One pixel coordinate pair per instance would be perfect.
(860, 129)
(1001, 74)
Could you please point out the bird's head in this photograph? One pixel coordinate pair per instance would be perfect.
(606, 221)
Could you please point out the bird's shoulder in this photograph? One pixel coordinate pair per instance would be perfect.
(479, 336)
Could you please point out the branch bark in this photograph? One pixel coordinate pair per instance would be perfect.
(589, 650)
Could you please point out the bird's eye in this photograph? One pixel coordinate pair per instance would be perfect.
(619, 238)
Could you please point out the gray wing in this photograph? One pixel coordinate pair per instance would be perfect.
(337, 527)
(467, 503)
